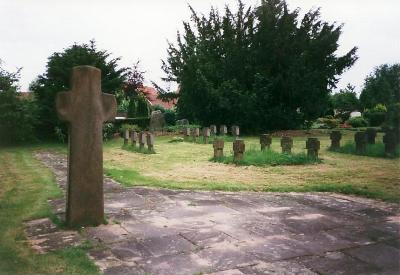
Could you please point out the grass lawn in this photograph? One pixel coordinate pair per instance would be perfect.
(25, 186)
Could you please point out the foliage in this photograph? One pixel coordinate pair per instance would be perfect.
(108, 131)
(393, 116)
(130, 127)
(346, 100)
(328, 122)
(269, 157)
(382, 86)
(357, 122)
(372, 150)
(179, 128)
(261, 68)
(376, 116)
(18, 116)
(142, 108)
(57, 78)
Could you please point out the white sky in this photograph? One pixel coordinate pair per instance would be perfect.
(31, 30)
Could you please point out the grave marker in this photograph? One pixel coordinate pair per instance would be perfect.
(371, 135)
(265, 141)
(195, 134)
(134, 138)
(150, 141)
(335, 137)
(286, 144)
(313, 146)
(206, 134)
(360, 139)
(235, 131)
(85, 108)
(213, 130)
(223, 130)
(142, 140)
(238, 150)
(390, 141)
(218, 145)
(126, 136)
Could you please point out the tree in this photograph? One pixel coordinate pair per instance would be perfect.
(382, 86)
(346, 100)
(57, 78)
(18, 116)
(262, 68)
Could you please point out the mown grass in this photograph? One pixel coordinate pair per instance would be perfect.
(268, 157)
(25, 187)
(376, 150)
(137, 149)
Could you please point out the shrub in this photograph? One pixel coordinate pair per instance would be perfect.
(170, 116)
(357, 122)
(376, 116)
(108, 131)
(329, 122)
(130, 127)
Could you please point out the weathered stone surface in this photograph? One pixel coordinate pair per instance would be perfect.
(218, 145)
(371, 135)
(265, 141)
(126, 137)
(206, 134)
(286, 144)
(142, 139)
(195, 134)
(223, 130)
(85, 108)
(213, 129)
(186, 133)
(360, 139)
(335, 137)
(313, 146)
(157, 121)
(150, 141)
(238, 149)
(134, 138)
(389, 139)
(235, 131)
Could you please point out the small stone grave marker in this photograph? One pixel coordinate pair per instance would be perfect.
(360, 139)
(265, 141)
(335, 137)
(223, 130)
(195, 134)
(206, 134)
(126, 136)
(235, 131)
(213, 130)
(238, 150)
(389, 139)
(313, 146)
(134, 138)
(150, 141)
(142, 140)
(218, 145)
(286, 144)
(371, 135)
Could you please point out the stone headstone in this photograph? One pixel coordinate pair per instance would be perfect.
(286, 144)
(223, 130)
(371, 135)
(265, 141)
(213, 130)
(181, 122)
(142, 140)
(390, 141)
(157, 121)
(206, 134)
(313, 146)
(126, 137)
(360, 139)
(238, 150)
(335, 137)
(150, 141)
(134, 138)
(85, 108)
(235, 131)
(186, 133)
(218, 145)
(195, 134)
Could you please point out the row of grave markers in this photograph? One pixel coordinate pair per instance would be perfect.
(139, 137)
(239, 147)
(210, 131)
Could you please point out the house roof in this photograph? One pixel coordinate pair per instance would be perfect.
(152, 96)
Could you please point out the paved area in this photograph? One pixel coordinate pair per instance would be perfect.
(158, 231)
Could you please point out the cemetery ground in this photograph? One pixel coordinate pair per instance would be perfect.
(27, 184)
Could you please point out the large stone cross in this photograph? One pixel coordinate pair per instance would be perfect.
(85, 108)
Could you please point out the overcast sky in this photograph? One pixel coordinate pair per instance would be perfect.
(135, 29)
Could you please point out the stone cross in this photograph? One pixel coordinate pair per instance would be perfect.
(361, 142)
(134, 138)
(235, 131)
(238, 150)
(335, 137)
(286, 144)
(150, 141)
(312, 145)
(218, 145)
(85, 108)
(213, 130)
(142, 140)
(371, 135)
(195, 134)
(206, 134)
(265, 141)
(389, 139)
(223, 130)
(126, 136)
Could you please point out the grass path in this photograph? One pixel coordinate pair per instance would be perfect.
(25, 186)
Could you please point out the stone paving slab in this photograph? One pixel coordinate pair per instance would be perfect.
(160, 231)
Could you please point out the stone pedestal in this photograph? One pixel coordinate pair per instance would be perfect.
(126, 137)
(150, 141)
(390, 141)
(335, 137)
(213, 130)
(85, 108)
(195, 134)
(238, 150)
(223, 130)
(313, 146)
(218, 145)
(371, 135)
(360, 139)
(265, 141)
(286, 144)
(206, 134)
(142, 140)
(134, 138)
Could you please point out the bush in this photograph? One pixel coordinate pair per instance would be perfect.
(269, 157)
(329, 122)
(376, 116)
(357, 122)
(170, 117)
(130, 127)
(109, 130)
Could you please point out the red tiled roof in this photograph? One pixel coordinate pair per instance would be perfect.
(152, 96)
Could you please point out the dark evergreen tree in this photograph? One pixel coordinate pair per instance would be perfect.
(262, 68)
